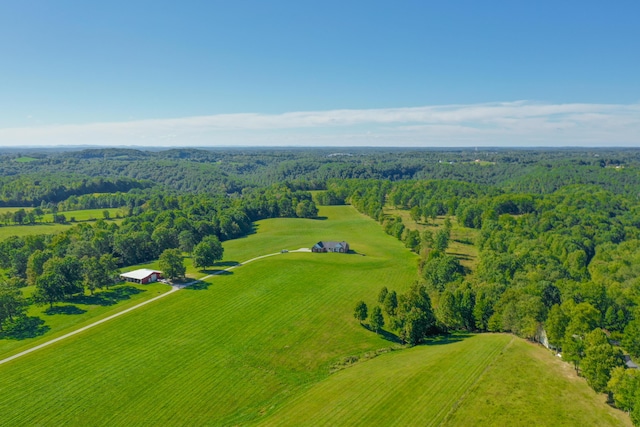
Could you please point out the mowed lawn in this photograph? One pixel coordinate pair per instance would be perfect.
(417, 386)
(482, 380)
(227, 354)
(78, 312)
(528, 386)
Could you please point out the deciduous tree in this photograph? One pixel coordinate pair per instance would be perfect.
(377, 319)
(171, 262)
(361, 311)
(600, 358)
(383, 294)
(207, 252)
(12, 303)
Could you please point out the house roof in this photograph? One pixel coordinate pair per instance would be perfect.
(139, 274)
(331, 244)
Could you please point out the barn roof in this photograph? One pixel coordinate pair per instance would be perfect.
(139, 274)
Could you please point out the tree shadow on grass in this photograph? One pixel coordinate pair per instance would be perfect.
(64, 309)
(352, 252)
(25, 327)
(218, 272)
(226, 264)
(199, 286)
(110, 297)
(389, 336)
(320, 218)
(254, 230)
(446, 339)
(461, 256)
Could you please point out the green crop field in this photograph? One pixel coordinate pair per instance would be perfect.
(257, 345)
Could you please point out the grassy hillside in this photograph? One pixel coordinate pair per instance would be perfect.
(527, 385)
(478, 381)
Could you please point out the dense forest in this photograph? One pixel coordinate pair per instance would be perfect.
(557, 233)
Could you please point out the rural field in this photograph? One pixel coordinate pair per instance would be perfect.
(31, 230)
(79, 215)
(48, 227)
(257, 346)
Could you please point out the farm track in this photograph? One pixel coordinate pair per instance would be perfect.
(174, 289)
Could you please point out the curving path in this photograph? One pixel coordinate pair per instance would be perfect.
(174, 288)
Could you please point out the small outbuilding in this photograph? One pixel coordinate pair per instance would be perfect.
(630, 364)
(142, 276)
(330, 246)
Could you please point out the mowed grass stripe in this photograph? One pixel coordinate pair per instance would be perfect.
(412, 387)
(224, 355)
(527, 385)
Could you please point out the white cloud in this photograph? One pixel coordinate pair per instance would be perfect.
(519, 123)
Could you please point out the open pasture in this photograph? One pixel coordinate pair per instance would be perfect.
(89, 214)
(31, 230)
(48, 227)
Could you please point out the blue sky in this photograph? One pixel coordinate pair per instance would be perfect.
(413, 73)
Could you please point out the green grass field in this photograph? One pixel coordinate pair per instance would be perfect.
(224, 354)
(31, 230)
(257, 345)
(25, 159)
(79, 215)
(5, 209)
(80, 312)
(47, 226)
(481, 380)
(527, 385)
(88, 214)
